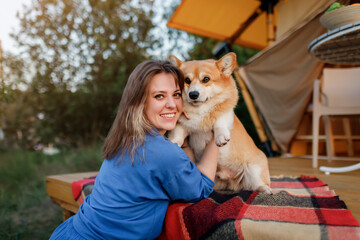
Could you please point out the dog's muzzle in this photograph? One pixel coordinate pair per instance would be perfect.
(193, 95)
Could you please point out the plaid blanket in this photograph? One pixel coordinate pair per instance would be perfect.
(82, 188)
(300, 208)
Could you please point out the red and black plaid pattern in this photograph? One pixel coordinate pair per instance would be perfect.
(300, 208)
(82, 188)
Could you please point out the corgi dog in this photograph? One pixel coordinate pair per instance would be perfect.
(209, 97)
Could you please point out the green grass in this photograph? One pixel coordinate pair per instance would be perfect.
(26, 212)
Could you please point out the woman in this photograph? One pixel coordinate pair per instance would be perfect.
(143, 171)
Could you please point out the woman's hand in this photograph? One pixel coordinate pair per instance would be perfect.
(209, 159)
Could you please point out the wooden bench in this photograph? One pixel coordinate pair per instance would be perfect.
(58, 187)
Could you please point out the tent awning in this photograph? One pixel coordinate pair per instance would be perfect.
(222, 19)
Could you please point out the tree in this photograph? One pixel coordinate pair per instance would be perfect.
(81, 53)
(12, 70)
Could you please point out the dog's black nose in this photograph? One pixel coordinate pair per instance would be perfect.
(194, 95)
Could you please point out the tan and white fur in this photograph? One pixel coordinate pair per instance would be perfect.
(209, 97)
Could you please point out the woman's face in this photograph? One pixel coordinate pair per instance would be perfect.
(163, 104)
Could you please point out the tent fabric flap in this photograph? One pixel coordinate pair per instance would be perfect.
(281, 78)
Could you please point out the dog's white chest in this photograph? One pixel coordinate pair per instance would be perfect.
(198, 142)
(194, 123)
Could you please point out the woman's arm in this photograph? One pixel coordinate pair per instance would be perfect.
(189, 152)
(208, 162)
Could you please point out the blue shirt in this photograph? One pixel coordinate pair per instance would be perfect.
(130, 201)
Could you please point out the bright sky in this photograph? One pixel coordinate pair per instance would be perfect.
(9, 22)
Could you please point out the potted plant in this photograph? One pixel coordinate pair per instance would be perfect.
(340, 15)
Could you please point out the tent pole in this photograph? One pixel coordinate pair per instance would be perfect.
(270, 22)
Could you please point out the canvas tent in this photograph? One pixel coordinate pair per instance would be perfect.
(281, 76)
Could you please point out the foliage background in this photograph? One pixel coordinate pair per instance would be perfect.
(63, 88)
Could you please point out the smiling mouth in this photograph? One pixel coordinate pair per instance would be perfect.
(168, 115)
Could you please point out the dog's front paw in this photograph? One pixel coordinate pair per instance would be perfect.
(221, 140)
(265, 189)
(178, 141)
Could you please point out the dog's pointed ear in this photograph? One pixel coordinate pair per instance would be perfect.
(175, 61)
(227, 63)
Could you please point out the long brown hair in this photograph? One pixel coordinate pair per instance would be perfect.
(130, 126)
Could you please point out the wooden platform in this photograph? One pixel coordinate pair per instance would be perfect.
(58, 187)
(346, 185)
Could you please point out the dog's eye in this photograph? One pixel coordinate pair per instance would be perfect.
(187, 80)
(205, 79)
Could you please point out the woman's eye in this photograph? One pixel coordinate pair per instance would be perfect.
(177, 94)
(205, 79)
(187, 80)
(159, 96)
